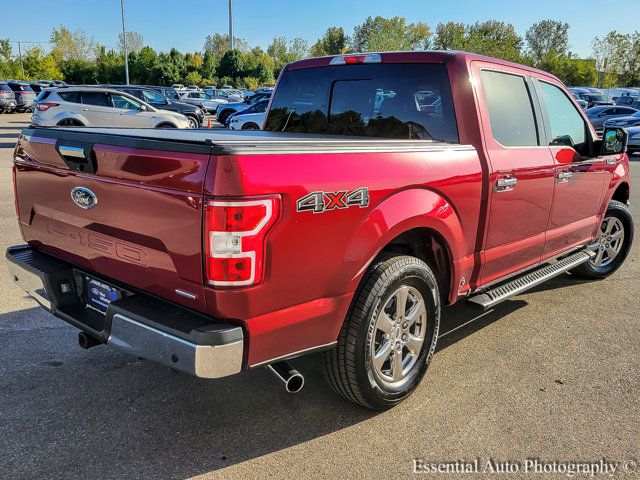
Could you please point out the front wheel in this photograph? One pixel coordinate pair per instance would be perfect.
(613, 243)
(389, 335)
(193, 122)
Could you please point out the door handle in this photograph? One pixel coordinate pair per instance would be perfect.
(506, 184)
(85, 109)
(563, 177)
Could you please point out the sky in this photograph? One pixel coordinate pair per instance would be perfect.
(184, 24)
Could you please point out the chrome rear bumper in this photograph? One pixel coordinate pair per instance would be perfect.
(137, 324)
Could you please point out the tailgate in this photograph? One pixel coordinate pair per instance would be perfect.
(127, 208)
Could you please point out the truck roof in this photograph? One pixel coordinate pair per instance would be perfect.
(424, 56)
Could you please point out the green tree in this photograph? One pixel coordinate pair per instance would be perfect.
(73, 45)
(144, 66)
(231, 64)
(618, 59)
(38, 65)
(283, 51)
(218, 44)
(547, 37)
(80, 71)
(450, 36)
(381, 34)
(333, 42)
(9, 68)
(193, 78)
(209, 65)
(495, 39)
(169, 73)
(109, 66)
(135, 42)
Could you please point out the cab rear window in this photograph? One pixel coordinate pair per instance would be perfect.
(400, 101)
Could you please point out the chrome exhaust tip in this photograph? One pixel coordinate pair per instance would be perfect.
(292, 379)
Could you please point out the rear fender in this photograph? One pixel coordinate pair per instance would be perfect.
(404, 211)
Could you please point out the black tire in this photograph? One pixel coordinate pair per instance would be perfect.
(349, 366)
(166, 125)
(250, 126)
(222, 118)
(590, 270)
(70, 122)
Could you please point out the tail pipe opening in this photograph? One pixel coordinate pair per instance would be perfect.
(292, 379)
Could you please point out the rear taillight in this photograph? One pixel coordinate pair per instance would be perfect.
(43, 107)
(353, 59)
(236, 233)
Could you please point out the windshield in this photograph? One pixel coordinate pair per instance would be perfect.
(401, 101)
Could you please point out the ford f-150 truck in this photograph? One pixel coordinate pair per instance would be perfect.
(384, 187)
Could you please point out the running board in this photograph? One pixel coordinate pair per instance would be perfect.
(499, 294)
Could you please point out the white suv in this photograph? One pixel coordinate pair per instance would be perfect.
(100, 107)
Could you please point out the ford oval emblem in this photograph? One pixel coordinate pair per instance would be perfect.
(84, 198)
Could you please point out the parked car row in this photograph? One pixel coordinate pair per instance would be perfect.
(18, 96)
(100, 107)
(600, 116)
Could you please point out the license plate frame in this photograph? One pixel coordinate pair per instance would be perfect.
(99, 294)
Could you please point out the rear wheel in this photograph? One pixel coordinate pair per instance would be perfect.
(250, 126)
(614, 242)
(389, 335)
(70, 122)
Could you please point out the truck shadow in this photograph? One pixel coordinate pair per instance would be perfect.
(102, 414)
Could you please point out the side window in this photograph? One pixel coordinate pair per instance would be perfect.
(126, 103)
(512, 120)
(261, 107)
(136, 93)
(150, 96)
(73, 97)
(567, 125)
(99, 99)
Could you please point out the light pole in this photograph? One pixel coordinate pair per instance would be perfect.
(230, 24)
(124, 44)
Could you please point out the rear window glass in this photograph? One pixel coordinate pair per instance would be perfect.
(17, 87)
(43, 95)
(99, 99)
(5, 88)
(73, 97)
(402, 101)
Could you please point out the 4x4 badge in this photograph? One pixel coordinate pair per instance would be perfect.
(319, 202)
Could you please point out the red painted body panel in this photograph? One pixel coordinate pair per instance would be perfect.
(144, 234)
(148, 231)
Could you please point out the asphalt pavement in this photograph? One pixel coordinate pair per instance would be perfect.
(552, 375)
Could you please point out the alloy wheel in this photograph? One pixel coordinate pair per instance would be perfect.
(610, 241)
(399, 335)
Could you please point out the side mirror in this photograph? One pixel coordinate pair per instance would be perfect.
(143, 108)
(614, 141)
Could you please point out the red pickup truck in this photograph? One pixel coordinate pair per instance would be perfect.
(384, 187)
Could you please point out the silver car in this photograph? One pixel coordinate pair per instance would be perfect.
(202, 100)
(220, 94)
(100, 107)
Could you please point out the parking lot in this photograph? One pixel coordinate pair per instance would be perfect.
(553, 374)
